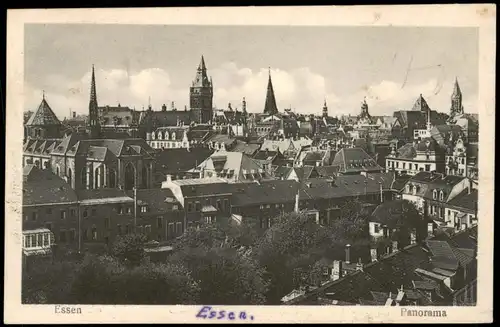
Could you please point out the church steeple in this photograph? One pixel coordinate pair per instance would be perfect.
(93, 124)
(201, 95)
(325, 109)
(456, 100)
(270, 105)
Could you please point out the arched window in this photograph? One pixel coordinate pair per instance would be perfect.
(173, 135)
(129, 176)
(441, 196)
(58, 170)
(166, 135)
(112, 178)
(46, 165)
(434, 194)
(83, 177)
(37, 163)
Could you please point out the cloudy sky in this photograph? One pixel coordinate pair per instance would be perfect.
(390, 66)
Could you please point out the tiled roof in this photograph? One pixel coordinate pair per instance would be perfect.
(400, 182)
(164, 118)
(304, 172)
(429, 181)
(158, 200)
(105, 193)
(43, 116)
(354, 160)
(265, 155)
(44, 187)
(231, 161)
(221, 138)
(250, 149)
(327, 171)
(180, 160)
(465, 200)
(205, 189)
(269, 192)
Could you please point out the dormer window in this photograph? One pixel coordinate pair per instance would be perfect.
(173, 135)
(434, 194)
(441, 196)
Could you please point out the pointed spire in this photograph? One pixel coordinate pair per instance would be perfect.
(270, 106)
(202, 66)
(93, 93)
(456, 89)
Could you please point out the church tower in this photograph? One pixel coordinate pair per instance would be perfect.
(93, 123)
(325, 110)
(201, 95)
(456, 100)
(270, 107)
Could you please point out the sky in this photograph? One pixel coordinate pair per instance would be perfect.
(138, 64)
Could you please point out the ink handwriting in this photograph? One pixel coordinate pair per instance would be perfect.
(207, 312)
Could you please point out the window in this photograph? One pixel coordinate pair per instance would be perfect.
(171, 231)
(175, 207)
(46, 238)
(144, 209)
(63, 214)
(129, 210)
(404, 165)
(119, 209)
(427, 167)
(94, 234)
(261, 206)
(34, 216)
(48, 211)
(178, 228)
(434, 194)
(62, 236)
(159, 222)
(226, 204)
(377, 228)
(73, 213)
(26, 217)
(33, 240)
(219, 206)
(106, 222)
(441, 196)
(85, 213)
(198, 206)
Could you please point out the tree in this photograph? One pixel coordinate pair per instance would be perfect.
(129, 248)
(288, 250)
(224, 274)
(49, 282)
(401, 216)
(352, 225)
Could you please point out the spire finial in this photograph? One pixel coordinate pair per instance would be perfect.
(43, 94)
(269, 71)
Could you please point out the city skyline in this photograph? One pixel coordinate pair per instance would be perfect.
(387, 65)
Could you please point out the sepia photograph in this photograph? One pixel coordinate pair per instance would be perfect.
(276, 165)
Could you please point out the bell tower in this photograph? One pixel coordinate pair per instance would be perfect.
(93, 123)
(201, 95)
(456, 100)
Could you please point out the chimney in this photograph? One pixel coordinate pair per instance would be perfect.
(74, 114)
(400, 296)
(348, 253)
(169, 178)
(164, 107)
(394, 246)
(297, 201)
(373, 254)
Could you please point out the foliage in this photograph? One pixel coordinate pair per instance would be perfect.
(288, 250)
(48, 282)
(352, 226)
(129, 248)
(224, 274)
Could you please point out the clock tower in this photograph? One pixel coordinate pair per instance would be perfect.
(201, 95)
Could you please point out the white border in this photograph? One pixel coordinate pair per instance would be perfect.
(481, 16)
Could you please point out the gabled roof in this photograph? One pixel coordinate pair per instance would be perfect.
(421, 104)
(465, 200)
(44, 187)
(354, 160)
(43, 116)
